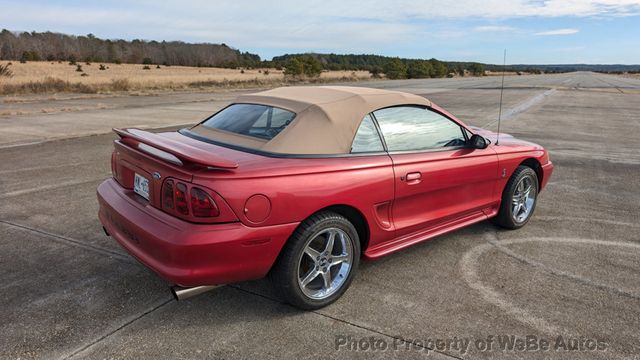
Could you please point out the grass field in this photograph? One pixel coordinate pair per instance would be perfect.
(46, 77)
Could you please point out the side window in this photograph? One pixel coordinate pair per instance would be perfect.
(367, 138)
(416, 128)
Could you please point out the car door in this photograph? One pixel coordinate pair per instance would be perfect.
(438, 180)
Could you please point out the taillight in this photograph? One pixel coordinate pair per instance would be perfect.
(181, 199)
(190, 202)
(167, 195)
(202, 205)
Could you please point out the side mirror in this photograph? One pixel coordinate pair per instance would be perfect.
(477, 142)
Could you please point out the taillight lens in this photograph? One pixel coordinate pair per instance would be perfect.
(181, 199)
(167, 195)
(190, 202)
(202, 205)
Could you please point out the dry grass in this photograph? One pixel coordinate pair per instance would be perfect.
(506, 73)
(47, 77)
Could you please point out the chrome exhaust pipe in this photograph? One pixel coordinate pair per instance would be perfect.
(182, 293)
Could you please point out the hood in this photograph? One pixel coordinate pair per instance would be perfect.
(506, 140)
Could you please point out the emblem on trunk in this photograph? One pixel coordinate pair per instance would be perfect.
(156, 175)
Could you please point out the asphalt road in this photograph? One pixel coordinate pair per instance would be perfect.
(69, 291)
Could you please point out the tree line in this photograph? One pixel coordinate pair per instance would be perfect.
(50, 46)
(392, 67)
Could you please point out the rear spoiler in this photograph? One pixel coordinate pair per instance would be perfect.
(181, 151)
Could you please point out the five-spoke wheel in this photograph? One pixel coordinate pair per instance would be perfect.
(518, 198)
(325, 263)
(523, 199)
(318, 262)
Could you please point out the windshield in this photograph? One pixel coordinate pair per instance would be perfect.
(259, 121)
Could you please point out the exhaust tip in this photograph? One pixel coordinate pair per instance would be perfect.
(173, 290)
(182, 293)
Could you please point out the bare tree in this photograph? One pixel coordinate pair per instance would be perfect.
(55, 46)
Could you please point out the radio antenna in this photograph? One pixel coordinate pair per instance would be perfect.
(504, 65)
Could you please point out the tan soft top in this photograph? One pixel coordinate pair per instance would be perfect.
(327, 117)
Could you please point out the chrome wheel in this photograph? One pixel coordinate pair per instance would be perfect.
(523, 199)
(325, 263)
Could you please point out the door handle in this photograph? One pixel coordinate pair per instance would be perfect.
(414, 178)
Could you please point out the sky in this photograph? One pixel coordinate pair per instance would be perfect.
(532, 31)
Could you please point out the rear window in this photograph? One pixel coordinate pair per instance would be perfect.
(259, 121)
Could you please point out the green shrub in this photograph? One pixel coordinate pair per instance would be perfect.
(79, 68)
(477, 69)
(439, 68)
(419, 69)
(146, 67)
(29, 56)
(147, 61)
(376, 71)
(102, 67)
(301, 66)
(395, 69)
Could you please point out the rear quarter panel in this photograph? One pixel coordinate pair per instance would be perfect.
(297, 188)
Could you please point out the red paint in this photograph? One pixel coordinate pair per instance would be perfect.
(257, 208)
(404, 198)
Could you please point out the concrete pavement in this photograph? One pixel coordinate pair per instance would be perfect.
(70, 291)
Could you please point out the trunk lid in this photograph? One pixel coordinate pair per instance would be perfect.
(176, 152)
(155, 157)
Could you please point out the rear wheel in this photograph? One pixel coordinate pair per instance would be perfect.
(318, 262)
(518, 198)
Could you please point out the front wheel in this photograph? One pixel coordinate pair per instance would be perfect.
(518, 198)
(318, 262)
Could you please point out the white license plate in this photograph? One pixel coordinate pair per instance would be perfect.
(141, 186)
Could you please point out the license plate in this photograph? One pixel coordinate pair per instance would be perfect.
(141, 186)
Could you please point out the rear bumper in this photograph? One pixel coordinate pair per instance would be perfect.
(547, 170)
(188, 254)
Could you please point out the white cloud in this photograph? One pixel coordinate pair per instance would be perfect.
(387, 10)
(493, 28)
(333, 25)
(557, 32)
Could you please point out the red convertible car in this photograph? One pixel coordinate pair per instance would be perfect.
(300, 183)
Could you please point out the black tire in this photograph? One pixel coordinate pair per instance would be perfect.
(285, 273)
(505, 217)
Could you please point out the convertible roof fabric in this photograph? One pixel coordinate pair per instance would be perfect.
(327, 117)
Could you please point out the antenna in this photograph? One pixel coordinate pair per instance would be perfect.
(504, 65)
